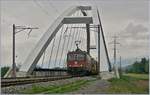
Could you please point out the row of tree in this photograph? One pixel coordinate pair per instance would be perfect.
(139, 66)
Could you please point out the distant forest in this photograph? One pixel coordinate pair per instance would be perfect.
(139, 67)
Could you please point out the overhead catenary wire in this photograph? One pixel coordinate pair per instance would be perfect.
(75, 36)
(73, 33)
(52, 6)
(37, 3)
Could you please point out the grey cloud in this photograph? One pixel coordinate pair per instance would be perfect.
(136, 10)
(135, 32)
(135, 38)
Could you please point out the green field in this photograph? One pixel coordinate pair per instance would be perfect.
(130, 83)
(138, 76)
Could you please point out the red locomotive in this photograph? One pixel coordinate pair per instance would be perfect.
(81, 63)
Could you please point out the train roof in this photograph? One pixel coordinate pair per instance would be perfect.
(78, 51)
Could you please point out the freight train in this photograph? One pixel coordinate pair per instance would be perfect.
(81, 63)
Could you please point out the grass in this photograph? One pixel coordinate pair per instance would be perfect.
(68, 87)
(138, 76)
(57, 89)
(130, 83)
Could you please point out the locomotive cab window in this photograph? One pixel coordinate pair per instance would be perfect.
(76, 56)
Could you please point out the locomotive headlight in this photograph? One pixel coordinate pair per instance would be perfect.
(75, 62)
(81, 65)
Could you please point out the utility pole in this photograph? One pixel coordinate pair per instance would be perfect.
(21, 28)
(115, 64)
(136, 59)
(120, 70)
(99, 47)
(115, 54)
(14, 64)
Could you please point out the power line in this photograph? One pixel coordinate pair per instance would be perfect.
(47, 13)
(53, 7)
(80, 25)
(77, 31)
(76, 35)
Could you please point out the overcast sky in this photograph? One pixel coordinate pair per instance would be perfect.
(128, 19)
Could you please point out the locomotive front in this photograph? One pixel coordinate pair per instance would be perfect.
(76, 62)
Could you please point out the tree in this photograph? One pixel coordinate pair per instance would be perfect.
(4, 71)
(146, 68)
(139, 66)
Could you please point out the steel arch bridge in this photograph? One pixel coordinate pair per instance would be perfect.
(90, 21)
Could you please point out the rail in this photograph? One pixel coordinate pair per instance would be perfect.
(5, 82)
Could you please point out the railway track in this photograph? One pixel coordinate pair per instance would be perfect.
(5, 82)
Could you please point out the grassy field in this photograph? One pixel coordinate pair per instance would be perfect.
(130, 83)
(57, 89)
(138, 76)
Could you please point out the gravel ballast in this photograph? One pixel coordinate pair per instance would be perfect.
(19, 88)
